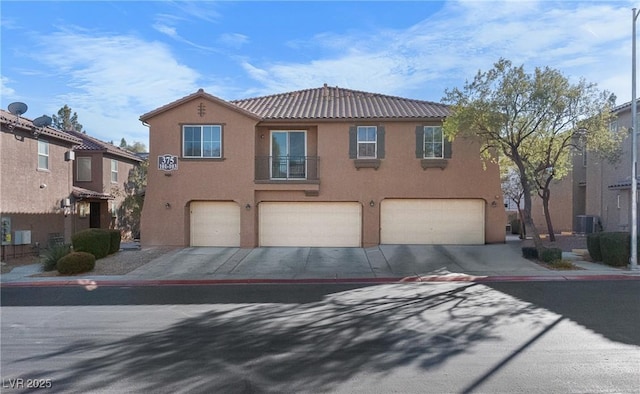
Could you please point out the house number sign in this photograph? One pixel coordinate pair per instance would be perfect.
(167, 162)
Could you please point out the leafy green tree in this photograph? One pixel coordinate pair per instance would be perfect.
(66, 120)
(533, 120)
(137, 147)
(123, 143)
(131, 208)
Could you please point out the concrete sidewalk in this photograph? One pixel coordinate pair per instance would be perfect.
(377, 264)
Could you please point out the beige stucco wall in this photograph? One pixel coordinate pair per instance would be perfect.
(30, 206)
(611, 205)
(560, 207)
(232, 179)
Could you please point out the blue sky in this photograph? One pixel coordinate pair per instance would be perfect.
(114, 61)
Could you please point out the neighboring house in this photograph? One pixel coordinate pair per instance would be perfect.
(605, 188)
(100, 172)
(317, 167)
(36, 167)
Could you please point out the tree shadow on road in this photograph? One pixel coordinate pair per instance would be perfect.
(311, 347)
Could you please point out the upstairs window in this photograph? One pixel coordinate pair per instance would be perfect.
(114, 170)
(43, 155)
(367, 142)
(202, 141)
(83, 169)
(433, 142)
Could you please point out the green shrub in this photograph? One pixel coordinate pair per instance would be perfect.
(593, 246)
(562, 265)
(515, 226)
(615, 248)
(53, 254)
(94, 240)
(549, 255)
(114, 244)
(529, 252)
(76, 263)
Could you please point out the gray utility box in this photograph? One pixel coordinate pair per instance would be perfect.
(586, 224)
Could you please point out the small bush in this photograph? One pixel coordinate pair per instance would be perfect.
(94, 240)
(529, 252)
(76, 263)
(593, 246)
(551, 254)
(114, 244)
(615, 248)
(562, 265)
(53, 254)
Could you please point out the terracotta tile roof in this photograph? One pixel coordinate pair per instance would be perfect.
(337, 103)
(89, 143)
(624, 107)
(79, 192)
(26, 125)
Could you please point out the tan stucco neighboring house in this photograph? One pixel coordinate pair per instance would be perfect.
(318, 167)
(607, 186)
(36, 165)
(99, 176)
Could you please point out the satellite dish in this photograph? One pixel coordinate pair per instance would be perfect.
(18, 108)
(42, 121)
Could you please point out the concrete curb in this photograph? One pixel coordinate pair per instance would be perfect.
(414, 279)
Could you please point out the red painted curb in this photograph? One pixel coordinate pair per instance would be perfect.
(412, 279)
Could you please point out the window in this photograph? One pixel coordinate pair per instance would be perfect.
(114, 170)
(83, 169)
(584, 157)
(613, 125)
(367, 142)
(288, 154)
(43, 155)
(202, 141)
(433, 142)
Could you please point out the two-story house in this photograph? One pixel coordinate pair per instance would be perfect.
(36, 165)
(604, 187)
(99, 175)
(318, 167)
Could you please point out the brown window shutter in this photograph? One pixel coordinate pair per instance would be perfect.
(419, 142)
(447, 148)
(380, 142)
(353, 142)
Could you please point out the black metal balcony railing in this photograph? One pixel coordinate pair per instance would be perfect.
(286, 168)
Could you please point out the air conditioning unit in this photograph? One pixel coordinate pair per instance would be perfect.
(69, 155)
(586, 224)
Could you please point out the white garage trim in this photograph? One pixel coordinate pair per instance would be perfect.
(432, 221)
(320, 224)
(215, 223)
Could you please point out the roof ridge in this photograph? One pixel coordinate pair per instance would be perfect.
(326, 86)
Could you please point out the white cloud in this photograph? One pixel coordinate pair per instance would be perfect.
(449, 47)
(5, 90)
(115, 77)
(235, 40)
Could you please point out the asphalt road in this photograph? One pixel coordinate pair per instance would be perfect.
(517, 337)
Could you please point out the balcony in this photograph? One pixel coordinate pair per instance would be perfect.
(289, 169)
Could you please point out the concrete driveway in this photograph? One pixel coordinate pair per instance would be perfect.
(384, 261)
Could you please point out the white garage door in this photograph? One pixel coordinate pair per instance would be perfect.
(215, 223)
(432, 221)
(330, 224)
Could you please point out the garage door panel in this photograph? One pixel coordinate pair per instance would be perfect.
(215, 223)
(310, 224)
(432, 221)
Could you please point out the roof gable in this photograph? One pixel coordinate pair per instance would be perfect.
(200, 94)
(338, 103)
